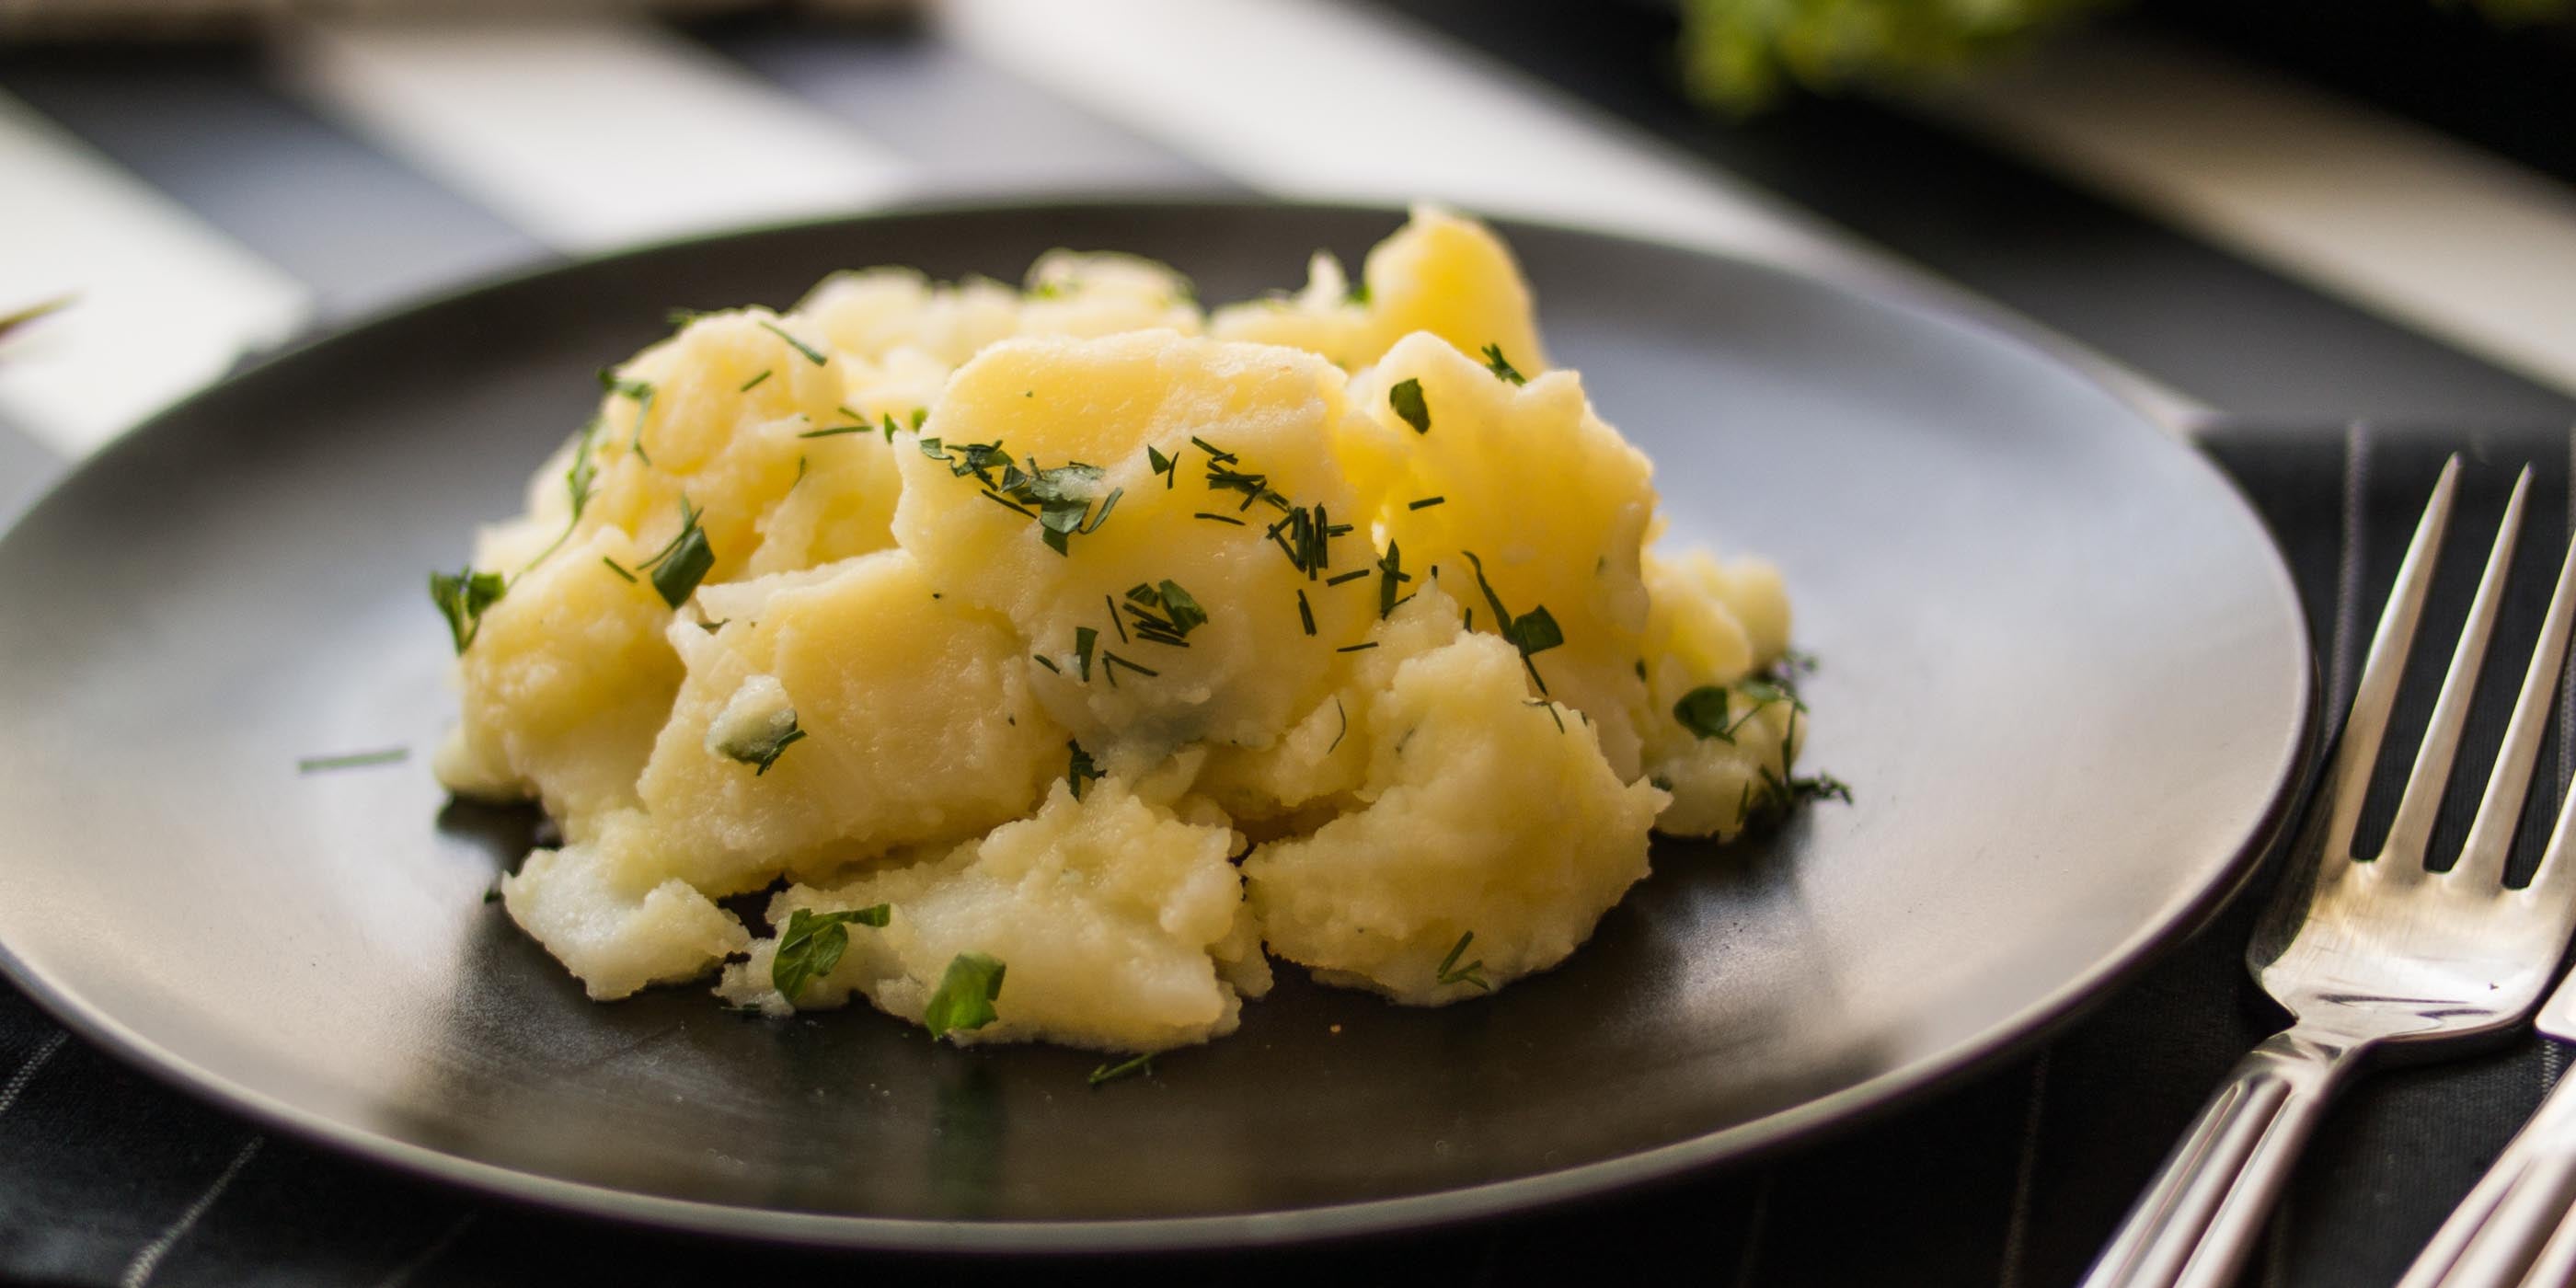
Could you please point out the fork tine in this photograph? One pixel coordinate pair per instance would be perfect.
(2412, 829)
(2491, 836)
(2372, 699)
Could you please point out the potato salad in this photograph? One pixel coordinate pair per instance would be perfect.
(1056, 658)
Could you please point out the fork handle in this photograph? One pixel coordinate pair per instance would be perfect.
(2199, 1221)
(2513, 1228)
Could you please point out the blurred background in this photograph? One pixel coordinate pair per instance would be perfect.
(2295, 210)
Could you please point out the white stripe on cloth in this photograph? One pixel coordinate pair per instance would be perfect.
(138, 1272)
(2394, 217)
(590, 133)
(1302, 98)
(17, 1083)
(161, 303)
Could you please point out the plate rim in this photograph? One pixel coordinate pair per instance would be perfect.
(1603, 1179)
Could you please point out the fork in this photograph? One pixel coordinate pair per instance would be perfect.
(2372, 955)
(2514, 1228)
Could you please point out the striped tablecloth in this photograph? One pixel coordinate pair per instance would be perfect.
(211, 199)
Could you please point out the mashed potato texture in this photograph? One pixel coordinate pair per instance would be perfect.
(1054, 657)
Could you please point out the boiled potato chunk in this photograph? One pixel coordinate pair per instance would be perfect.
(1121, 928)
(1696, 638)
(1549, 498)
(1092, 416)
(1440, 273)
(1323, 759)
(1487, 813)
(568, 681)
(1114, 640)
(616, 938)
(916, 719)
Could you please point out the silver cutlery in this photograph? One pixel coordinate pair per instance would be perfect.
(2514, 1228)
(2373, 953)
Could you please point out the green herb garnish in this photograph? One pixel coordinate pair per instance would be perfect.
(1345, 730)
(352, 760)
(1426, 503)
(462, 597)
(753, 383)
(1113, 1072)
(1394, 575)
(1221, 518)
(1471, 973)
(641, 394)
(1305, 612)
(763, 749)
(1357, 648)
(1533, 632)
(1184, 611)
(1703, 712)
(965, 996)
(812, 945)
(811, 355)
(621, 572)
(1084, 640)
(1080, 772)
(1167, 466)
(1502, 367)
(1552, 713)
(677, 568)
(1406, 399)
(1353, 575)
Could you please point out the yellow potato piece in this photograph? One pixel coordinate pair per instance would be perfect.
(564, 686)
(617, 939)
(1697, 636)
(1550, 499)
(1120, 927)
(1487, 813)
(1240, 676)
(1442, 273)
(917, 719)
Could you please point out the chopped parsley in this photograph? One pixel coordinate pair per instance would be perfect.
(1113, 1072)
(641, 394)
(1533, 632)
(1502, 367)
(1471, 973)
(352, 760)
(677, 568)
(462, 597)
(1084, 640)
(965, 996)
(1406, 399)
(1551, 711)
(762, 750)
(812, 945)
(810, 353)
(1108, 661)
(1394, 576)
(1703, 712)
(1080, 772)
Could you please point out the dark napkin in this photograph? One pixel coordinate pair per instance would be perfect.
(2013, 1176)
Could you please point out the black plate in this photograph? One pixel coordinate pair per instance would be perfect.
(2063, 670)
